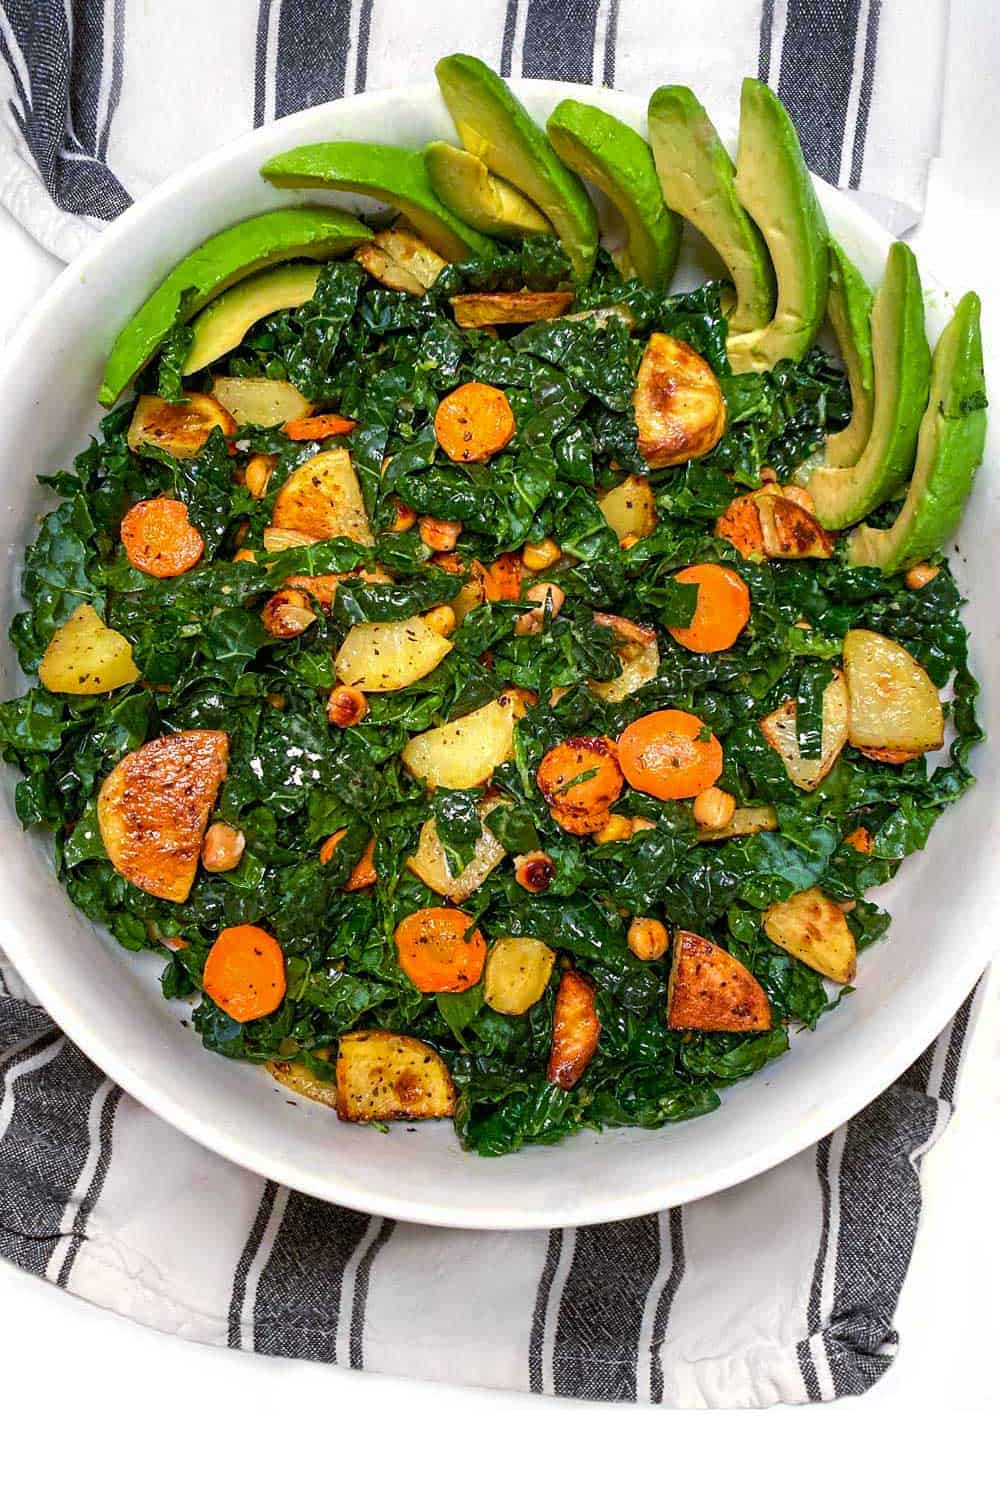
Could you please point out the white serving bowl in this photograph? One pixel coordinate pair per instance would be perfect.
(944, 902)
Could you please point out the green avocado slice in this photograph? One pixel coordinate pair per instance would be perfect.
(285, 234)
(849, 308)
(774, 186)
(496, 127)
(391, 173)
(949, 451)
(698, 182)
(902, 362)
(223, 323)
(465, 184)
(616, 159)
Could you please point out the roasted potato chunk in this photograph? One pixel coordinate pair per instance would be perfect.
(576, 1029)
(466, 752)
(180, 428)
(636, 648)
(401, 260)
(630, 508)
(483, 309)
(744, 822)
(894, 705)
(710, 990)
(302, 1080)
(517, 971)
(813, 928)
(740, 526)
(429, 862)
(384, 1076)
(381, 657)
(87, 656)
(264, 403)
(790, 530)
(322, 498)
(154, 807)
(780, 729)
(678, 404)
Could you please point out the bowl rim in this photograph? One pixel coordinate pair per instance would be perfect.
(83, 1027)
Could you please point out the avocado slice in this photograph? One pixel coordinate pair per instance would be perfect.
(496, 127)
(902, 362)
(849, 308)
(308, 232)
(616, 159)
(223, 323)
(465, 184)
(949, 451)
(774, 186)
(698, 182)
(391, 173)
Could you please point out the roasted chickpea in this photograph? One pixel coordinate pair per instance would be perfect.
(406, 516)
(534, 872)
(287, 614)
(346, 706)
(647, 938)
(536, 556)
(713, 808)
(258, 474)
(222, 848)
(919, 574)
(532, 621)
(440, 536)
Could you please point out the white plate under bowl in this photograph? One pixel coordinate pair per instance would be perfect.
(944, 902)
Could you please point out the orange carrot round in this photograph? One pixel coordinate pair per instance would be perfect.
(722, 610)
(327, 424)
(245, 973)
(159, 539)
(473, 422)
(663, 754)
(580, 779)
(440, 949)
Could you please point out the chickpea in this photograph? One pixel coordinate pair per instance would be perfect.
(532, 621)
(406, 516)
(440, 536)
(258, 474)
(648, 938)
(615, 829)
(222, 848)
(537, 556)
(534, 872)
(346, 706)
(287, 614)
(714, 808)
(441, 620)
(919, 574)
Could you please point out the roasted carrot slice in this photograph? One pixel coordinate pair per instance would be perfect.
(722, 611)
(363, 875)
(326, 424)
(473, 422)
(159, 539)
(440, 949)
(502, 578)
(245, 973)
(580, 779)
(576, 1028)
(860, 839)
(665, 755)
(740, 526)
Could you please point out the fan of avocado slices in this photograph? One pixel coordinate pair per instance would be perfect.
(442, 661)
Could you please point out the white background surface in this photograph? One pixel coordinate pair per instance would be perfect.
(89, 1401)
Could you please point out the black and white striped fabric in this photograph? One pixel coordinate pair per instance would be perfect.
(783, 1289)
(104, 98)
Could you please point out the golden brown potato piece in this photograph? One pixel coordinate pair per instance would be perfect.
(384, 1076)
(710, 990)
(154, 807)
(744, 822)
(789, 529)
(263, 403)
(429, 863)
(87, 656)
(781, 732)
(322, 498)
(466, 752)
(576, 1029)
(813, 928)
(894, 705)
(636, 649)
(382, 657)
(740, 526)
(517, 971)
(678, 404)
(630, 508)
(482, 309)
(302, 1080)
(180, 428)
(401, 260)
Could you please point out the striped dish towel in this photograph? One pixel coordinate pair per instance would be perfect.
(783, 1289)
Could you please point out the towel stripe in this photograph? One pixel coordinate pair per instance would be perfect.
(362, 1280)
(104, 1107)
(560, 45)
(298, 1304)
(867, 88)
(250, 1250)
(313, 44)
(536, 1345)
(661, 1321)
